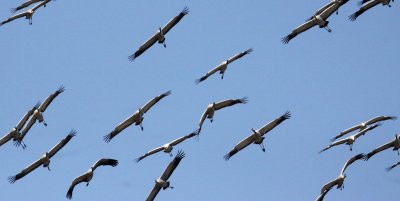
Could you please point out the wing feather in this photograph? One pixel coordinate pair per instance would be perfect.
(50, 98)
(153, 192)
(274, 123)
(229, 102)
(153, 101)
(241, 145)
(75, 182)
(127, 122)
(350, 161)
(209, 73)
(146, 45)
(153, 151)
(238, 56)
(379, 149)
(105, 161)
(25, 171)
(172, 165)
(181, 139)
(61, 144)
(363, 8)
(175, 20)
(300, 29)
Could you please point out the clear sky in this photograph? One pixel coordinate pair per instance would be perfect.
(329, 81)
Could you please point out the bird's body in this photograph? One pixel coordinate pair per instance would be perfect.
(45, 159)
(257, 136)
(363, 125)
(395, 143)
(28, 14)
(366, 5)
(167, 148)
(160, 35)
(38, 116)
(211, 108)
(223, 66)
(162, 181)
(89, 174)
(339, 181)
(15, 132)
(351, 139)
(136, 118)
(319, 18)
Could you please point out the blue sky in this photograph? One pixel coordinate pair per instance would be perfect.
(329, 81)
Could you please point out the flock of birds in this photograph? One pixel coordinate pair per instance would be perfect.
(35, 114)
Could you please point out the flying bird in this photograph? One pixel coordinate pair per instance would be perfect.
(89, 174)
(136, 118)
(340, 179)
(351, 139)
(163, 182)
(395, 143)
(366, 5)
(38, 115)
(160, 35)
(257, 137)
(211, 108)
(26, 4)
(45, 159)
(363, 125)
(28, 14)
(167, 148)
(319, 18)
(223, 66)
(393, 166)
(16, 131)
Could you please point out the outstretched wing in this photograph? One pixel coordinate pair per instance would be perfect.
(153, 192)
(335, 144)
(209, 73)
(75, 182)
(238, 56)
(329, 185)
(172, 165)
(347, 131)
(153, 101)
(127, 122)
(302, 28)
(393, 166)
(322, 195)
(105, 161)
(7, 137)
(274, 123)
(153, 151)
(175, 20)
(241, 145)
(379, 149)
(19, 15)
(49, 99)
(26, 129)
(363, 8)
(25, 171)
(25, 118)
(24, 5)
(43, 3)
(350, 161)
(203, 117)
(62, 143)
(380, 118)
(181, 139)
(146, 45)
(365, 130)
(229, 102)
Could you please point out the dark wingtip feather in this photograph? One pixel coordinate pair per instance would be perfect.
(132, 57)
(359, 156)
(61, 89)
(113, 162)
(167, 93)
(180, 154)
(333, 139)
(12, 179)
(393, 117)
(200, 80)
(69, 193)
(72, 133)
(353, 17)
(244, 100)
(391, 167)
(287, 115)
(227, 156)
(185, 10)
(13, 10)
(107, 138)
(138, 159)
(248, 51)
(286, 39)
